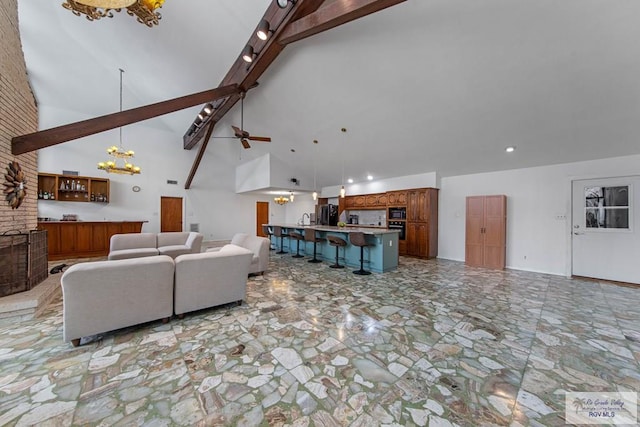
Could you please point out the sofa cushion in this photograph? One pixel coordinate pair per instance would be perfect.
(102, 296)
(132, 241)
(172, 238)
(132, 253)
(211, 278)
(174, 250)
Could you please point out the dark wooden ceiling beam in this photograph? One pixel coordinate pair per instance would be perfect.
(246, 75)
(198, 159)
(332, 15)
(46, 138)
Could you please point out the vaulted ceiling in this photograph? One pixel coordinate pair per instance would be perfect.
(421, 86)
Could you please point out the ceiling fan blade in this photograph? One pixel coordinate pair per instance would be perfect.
(238, 132)
(259, 138)
(245, 143)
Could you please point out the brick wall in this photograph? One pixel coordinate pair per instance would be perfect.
(18, 116)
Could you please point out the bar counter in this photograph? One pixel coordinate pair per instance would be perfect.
(382, 256)
(83, 239)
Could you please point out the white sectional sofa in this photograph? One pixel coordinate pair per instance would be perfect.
(137, 245)
(102, 296)
(211, 278)
(259, 246)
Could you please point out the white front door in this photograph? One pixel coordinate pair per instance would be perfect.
(606, 229)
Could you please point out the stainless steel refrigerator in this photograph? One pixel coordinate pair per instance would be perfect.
(329, 214)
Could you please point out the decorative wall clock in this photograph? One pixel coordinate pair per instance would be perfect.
(15, 187)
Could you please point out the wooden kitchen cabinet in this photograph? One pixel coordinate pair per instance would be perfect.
(486, 231)
(396, 199)
(422, 222)
(376, 200)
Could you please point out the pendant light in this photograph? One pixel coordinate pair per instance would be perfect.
(315, 170)
(343, 192)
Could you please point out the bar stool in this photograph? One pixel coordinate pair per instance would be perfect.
(357, 239)
(297, 236)
(267, 231)
(337, 242)
(277, 231)
(310, 236)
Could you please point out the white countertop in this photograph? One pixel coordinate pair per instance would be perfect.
(335, 229)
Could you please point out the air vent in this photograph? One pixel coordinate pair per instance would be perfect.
(70, 173)
(172, 182)
(194, 227)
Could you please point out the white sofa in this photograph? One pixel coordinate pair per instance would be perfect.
(103, 296)
(259, 246)
(137, 245)
(212, 278)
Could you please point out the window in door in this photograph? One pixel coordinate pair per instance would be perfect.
(607, 208)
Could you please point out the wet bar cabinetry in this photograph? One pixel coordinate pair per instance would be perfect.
(81, 239)
(72, 188)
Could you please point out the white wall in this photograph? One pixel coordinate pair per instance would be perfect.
(538, 210)
(423, 180)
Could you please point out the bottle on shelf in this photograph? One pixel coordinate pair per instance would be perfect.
(93, 197)
(67, 186)
(73, 185)
(52, 195)
(46, 196)
(40, 194)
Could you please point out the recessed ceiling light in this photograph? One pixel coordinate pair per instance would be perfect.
(510, 149)
(350, 180)
(369, 177)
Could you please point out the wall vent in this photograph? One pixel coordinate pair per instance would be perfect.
(172, 182)
(194, 227)
(70, 173)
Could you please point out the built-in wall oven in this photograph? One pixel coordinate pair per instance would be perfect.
(399, 225)
(397, 213)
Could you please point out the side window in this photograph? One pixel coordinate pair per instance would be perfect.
(607, 207)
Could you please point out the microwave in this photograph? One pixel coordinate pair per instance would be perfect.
(397, 213)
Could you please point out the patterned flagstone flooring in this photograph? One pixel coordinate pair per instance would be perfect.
(432, 343)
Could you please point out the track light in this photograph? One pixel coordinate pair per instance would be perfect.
(283, 3)
(201, 116)
(247, 54)
(291, 196)
(264, 31)
(208, 109)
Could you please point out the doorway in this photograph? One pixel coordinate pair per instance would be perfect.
(605, 221)
(262, 217)
(170, 214)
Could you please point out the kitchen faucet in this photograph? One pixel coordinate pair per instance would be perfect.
(302, 219)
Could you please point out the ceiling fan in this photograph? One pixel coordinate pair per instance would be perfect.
(242, 134)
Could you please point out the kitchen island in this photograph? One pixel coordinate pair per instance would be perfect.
(380, 257)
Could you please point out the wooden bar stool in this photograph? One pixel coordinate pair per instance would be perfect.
(267, 231)
(357, 239)
(337, 242)
(297, 237)
(277, 231)
(310, 236)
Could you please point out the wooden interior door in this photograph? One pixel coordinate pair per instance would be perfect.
(495, 231)
(474, 238)
(262, 217)
(170, 214)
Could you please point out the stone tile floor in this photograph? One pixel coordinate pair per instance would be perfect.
(432, 343)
